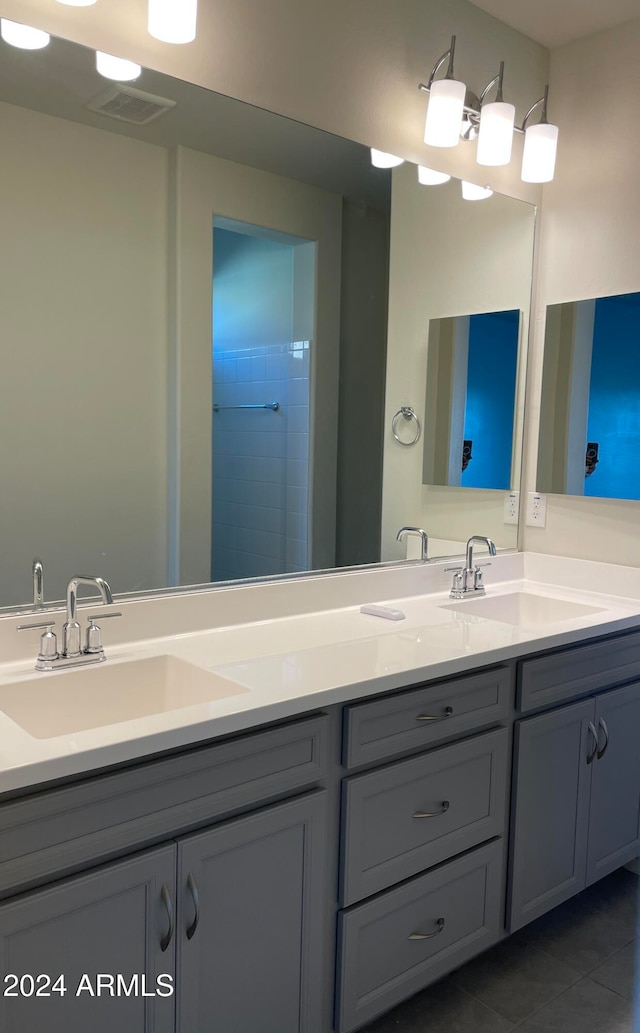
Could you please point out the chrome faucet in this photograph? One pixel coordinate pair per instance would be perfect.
(467, 580)
(424, 538)
(72, 654)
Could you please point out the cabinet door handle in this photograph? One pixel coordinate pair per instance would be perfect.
(603, 724)
(429, 936)
(433, 814)
(195, 896)
(592, 729)
(447, 712)
(166, 900)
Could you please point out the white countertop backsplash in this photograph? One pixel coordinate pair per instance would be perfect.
(297, 646)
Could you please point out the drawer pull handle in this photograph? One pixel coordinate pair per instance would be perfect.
(433, 814)
(429, 936)
(195, 896)
(448, 712)
(592, 729)
(603, 724)
(166, 900)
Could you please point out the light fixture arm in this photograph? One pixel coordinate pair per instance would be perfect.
(496, 81)
(448, 54)
(542, 101)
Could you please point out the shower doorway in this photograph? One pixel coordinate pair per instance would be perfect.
(264, 311)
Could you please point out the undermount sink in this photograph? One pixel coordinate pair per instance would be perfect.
(523, 608)
(92, 697)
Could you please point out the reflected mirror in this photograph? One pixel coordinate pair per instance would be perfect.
(194, 299)
(472, 364)
(589, 440)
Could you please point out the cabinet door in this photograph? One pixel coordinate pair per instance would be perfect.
(112, 922)
(550, 810)
(250, 941)
(615, 783)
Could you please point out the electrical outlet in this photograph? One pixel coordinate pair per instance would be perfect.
(536, 509)
(511, 507)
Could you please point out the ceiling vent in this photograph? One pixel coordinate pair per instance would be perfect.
(130, 105)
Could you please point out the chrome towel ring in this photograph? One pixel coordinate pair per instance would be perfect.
(408, 414)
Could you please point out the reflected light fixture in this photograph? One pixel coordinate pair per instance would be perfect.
(456, 113)
(173, 21)
(471, 192)
(385, 160)
(431, 178)
(540, 146)
(23, 36)
(116, 67)
(78, 3)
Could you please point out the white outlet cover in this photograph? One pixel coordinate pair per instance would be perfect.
(536, 509)
(511, 507)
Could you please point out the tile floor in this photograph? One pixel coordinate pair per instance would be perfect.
(571, 971)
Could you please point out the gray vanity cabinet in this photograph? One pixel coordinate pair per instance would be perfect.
(115, 919)
(251, 898)
(615, 783)
(577, 800)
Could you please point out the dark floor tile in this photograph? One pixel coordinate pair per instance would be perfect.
(583, 932)
(586, 1007)
(442, 1008)
(515, 979)
(620, 972)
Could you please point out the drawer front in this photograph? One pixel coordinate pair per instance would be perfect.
(426, 715)
(383, 956)
(578, 671)
(418, 812)
(59, 831)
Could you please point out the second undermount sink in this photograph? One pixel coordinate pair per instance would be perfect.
(524, 608)
(50, 705)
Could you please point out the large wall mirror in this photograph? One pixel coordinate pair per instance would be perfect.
(589, 440)
(195, 297)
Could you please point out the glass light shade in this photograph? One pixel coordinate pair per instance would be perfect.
(431, 178)
(173, 21)
(23, 36)
(495, 138)
(471, 192)
(77, 3)
(539, 154)
(384, 160)
(116, 67)
(444, 114)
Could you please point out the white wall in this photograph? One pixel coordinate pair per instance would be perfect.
(350, 68)
(449, 257)
(83, 272)
(589, 248)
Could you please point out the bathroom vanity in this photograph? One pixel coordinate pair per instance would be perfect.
(315, 866)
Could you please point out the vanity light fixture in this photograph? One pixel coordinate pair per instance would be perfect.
(431, 178)
(78, 3)
(116, 67)
(497, 122)
(540, 146)
(23, 36)
(455, 113)
(173, 21)
(385, 160)
(471, 192)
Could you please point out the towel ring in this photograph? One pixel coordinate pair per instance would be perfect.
(407, 412)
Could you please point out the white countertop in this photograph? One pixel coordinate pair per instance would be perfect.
(295, 664)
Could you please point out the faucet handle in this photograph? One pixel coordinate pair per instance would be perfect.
(94, 633)
(48, 641)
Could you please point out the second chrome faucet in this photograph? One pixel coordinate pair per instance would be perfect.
(467, 580)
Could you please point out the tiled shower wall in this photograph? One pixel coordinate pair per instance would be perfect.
(260, 461)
